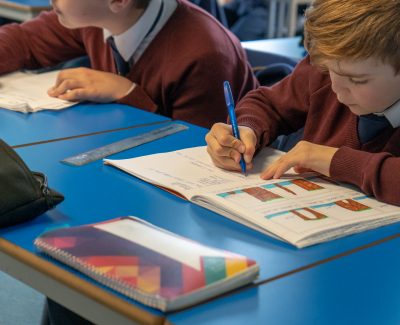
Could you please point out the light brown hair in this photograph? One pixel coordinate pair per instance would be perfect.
(353, 29)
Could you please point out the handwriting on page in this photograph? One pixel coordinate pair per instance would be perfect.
(191, 170)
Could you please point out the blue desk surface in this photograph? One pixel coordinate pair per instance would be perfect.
(19, 128)
(97, 192)
(22, 10)
(361, 288)
(29, 3)
(276, 50)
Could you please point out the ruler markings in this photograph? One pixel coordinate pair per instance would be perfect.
(115, 147)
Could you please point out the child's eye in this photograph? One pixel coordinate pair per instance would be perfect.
(358, 82)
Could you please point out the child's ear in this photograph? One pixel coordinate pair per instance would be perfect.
(118, 5)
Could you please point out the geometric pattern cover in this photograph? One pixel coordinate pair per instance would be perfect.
(139, 267)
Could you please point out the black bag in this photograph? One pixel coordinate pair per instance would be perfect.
(24, 194)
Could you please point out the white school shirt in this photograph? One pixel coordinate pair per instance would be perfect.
(133, 42)
(392, 114)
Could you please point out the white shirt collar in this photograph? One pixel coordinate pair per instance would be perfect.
(392, 114)
(128, 42)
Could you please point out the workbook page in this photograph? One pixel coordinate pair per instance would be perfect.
(292, 208)
(191, 171)
(296, 208)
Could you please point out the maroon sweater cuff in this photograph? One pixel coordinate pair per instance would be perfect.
(262, 139)
(349, 165)
(374, 173)
(138, 98)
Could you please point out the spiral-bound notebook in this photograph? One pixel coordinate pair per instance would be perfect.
(147, 263)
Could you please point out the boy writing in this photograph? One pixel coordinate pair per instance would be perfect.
(345, 94)
(163, 56)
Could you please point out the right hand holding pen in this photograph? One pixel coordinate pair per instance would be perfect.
(225, 150)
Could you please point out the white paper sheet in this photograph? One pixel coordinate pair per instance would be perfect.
(27, 92)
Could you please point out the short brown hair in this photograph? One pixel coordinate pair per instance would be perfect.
(353, 29)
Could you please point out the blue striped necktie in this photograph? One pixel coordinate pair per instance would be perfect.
(370, 125)
(122, 65)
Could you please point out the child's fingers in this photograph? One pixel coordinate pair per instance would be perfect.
(278, 167)
(76, 95)
(64, 87)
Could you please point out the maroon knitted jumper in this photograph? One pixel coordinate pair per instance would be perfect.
(180, 74)
(305, 98)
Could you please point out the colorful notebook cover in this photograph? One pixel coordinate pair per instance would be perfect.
(148, 264)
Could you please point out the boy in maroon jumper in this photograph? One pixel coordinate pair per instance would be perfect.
(176, 55)
(345, 94)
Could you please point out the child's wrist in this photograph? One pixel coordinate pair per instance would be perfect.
(133, 86)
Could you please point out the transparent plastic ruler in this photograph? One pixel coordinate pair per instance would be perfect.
(112, 148)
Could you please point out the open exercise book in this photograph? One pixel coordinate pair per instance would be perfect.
(299, 210)
(27, 92)
(147, 263)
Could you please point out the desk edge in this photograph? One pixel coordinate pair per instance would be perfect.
(92, 291)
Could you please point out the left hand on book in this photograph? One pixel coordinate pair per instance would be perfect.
(305, 156)
(80, 84)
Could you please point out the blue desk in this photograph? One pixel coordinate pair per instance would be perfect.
(276, 50)
(19, 128)
(133, 196)
(22, 9)
(361, 288)
(84, 193)
(96, 192)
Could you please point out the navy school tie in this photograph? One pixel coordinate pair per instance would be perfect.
(370, 125)
(122, 65)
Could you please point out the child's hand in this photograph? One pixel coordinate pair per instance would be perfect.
(303, 157)
(82, 84)
(225, 150)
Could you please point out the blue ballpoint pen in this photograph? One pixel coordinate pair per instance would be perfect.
(232, 116)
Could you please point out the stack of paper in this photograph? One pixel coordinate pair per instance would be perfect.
(27, 92)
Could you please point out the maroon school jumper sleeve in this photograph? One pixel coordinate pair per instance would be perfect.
(305, 99)
(179, 75)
